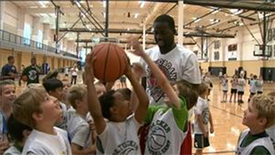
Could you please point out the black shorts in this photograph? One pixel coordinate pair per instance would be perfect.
(259, 92)
(240, 92)
(233, 91)
(252, 94)
(122, 79)
(201, 141)
(225, 91)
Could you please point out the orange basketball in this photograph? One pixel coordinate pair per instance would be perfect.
(110, 62)
(24, 78)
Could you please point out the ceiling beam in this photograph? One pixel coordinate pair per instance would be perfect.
(244, 4)
(190, 34)
(74, 10)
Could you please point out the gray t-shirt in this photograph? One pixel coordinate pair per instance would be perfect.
(79, 130)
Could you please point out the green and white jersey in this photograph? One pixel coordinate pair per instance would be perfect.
(119, 138)
(167, 129)
(257, 144)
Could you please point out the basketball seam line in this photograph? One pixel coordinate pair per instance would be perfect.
(105, 64)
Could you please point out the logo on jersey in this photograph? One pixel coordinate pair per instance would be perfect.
(127, 148)
(169, 71)
(32, 75)
(157, 142)
(205, 116)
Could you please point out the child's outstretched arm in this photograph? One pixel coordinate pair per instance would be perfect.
(141, 109)
(93, 103)
(160, 77)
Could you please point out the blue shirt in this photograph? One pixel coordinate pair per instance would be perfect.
(8, 68)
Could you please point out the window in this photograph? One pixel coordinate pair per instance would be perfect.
(39, 39)
(27, 34)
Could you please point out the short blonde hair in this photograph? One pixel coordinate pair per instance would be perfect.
(203, 88)
(76, 92)
(265, 104)
(189, 92)
(28, 103)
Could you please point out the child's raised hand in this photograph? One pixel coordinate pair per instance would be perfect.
(211, 129)
(89, 69)
(138, 69)
(128, 69)
(133, 41)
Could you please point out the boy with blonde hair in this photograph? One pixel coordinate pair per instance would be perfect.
(36, 109)
(257, 117)
(77, 125)
(202, 118)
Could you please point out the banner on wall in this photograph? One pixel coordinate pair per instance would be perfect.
(232, 52)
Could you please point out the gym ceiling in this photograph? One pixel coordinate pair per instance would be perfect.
(207, 18)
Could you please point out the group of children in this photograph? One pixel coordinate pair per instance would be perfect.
(238, 86)
(88, 119)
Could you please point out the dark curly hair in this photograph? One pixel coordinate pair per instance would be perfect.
(107, 101)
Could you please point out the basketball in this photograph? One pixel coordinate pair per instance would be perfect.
(110, 62)
(24, 78)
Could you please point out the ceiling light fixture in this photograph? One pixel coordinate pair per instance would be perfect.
(142, 3)
(77, 3)
(104, 3)
(214, 12)
(136, 15)
(197, 20)
(43, 4)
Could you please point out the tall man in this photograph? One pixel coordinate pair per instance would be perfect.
(9, 70)
(176, 62)
(32, 72)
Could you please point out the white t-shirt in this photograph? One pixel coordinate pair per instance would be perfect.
(241, 85)
(208, 81)
(179, 64)
(259, 85)
(253, 88)
(79, 131)
(224, 84)
(119, 138)
(12, 151)
(40, 143)
(234, 83)
(202, 109)
(74, 71)
(265, 142)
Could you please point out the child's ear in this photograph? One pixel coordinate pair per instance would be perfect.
(113, 110)
(26, 133)
(37, 116)
(263, 122)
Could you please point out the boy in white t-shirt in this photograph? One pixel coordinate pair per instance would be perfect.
(258, 116)
(77, 125)
(234, 83)
(119, 134)
(260, 85)
(36, 109)
(224, 82)
(252, 87)
(202, 117)
(240, 88)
